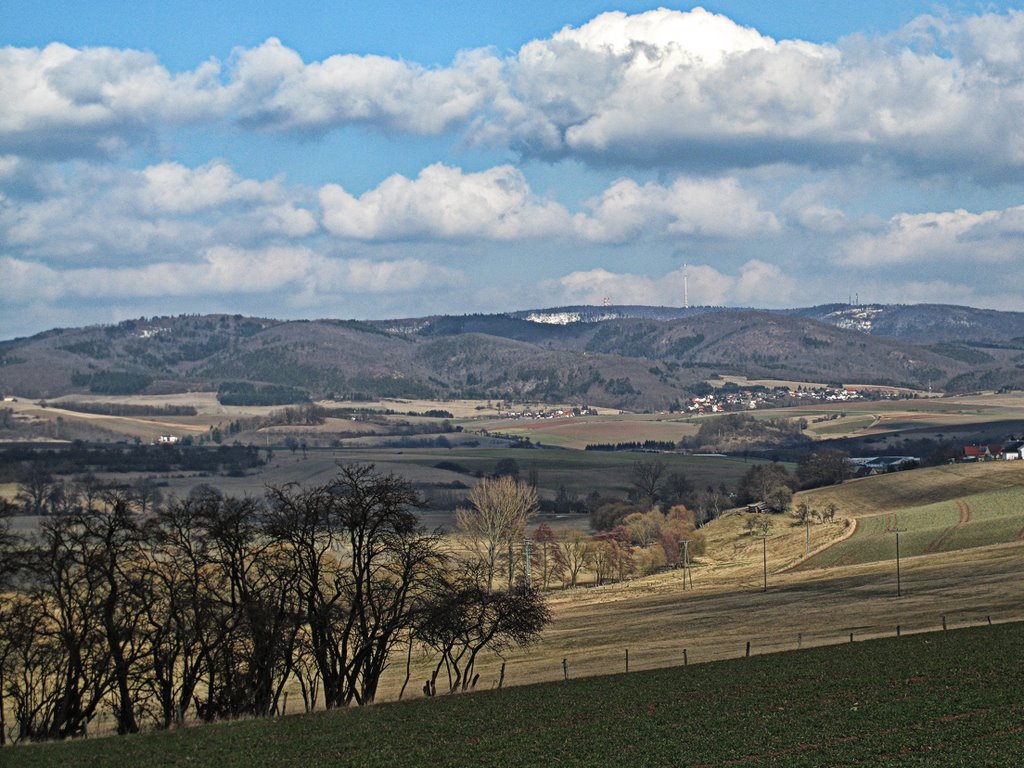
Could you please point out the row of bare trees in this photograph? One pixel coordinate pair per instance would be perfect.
(209, 607)
(494, 529)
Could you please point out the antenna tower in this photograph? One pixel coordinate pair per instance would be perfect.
(606, 301)
(686, 286)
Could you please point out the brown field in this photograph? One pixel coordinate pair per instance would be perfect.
(658, 617)
(577, 433)
(949, 416)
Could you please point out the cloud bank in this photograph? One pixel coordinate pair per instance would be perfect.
(685, 89)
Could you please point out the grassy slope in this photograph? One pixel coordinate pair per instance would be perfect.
(941, 509)
(933, 699)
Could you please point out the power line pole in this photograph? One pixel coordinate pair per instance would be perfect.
(899, 586)
(687, 574)
(527, 556)
(764, 554)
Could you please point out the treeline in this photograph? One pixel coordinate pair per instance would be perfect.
(77, 458)
(112, 382)
(123, 409)
(246, 393)
(646, 445)
(209, 607)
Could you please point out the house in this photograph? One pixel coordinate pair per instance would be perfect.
(1014, 449)
(983, 452)
(874, 465)
(1007, 451)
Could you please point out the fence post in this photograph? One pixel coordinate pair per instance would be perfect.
(627, 659)
(565, 668)
(501, 677)
(989, 620)
(897, 630)
(684, 657)
(799, 640)
(943, 623)
(851, 637)
(748, 649)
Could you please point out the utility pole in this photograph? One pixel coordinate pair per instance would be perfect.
(527, 557)
(687, 574)
(764, 555)
(899, 586)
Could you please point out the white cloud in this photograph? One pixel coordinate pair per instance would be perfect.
(696, 89)
(756, 284)
(681, 88)
(174, 188)
(688, 207)
(280, 271)
(498, 204)
(444, 202)
(108, 214)
(272, 88)
(60, 102)
(957, 236)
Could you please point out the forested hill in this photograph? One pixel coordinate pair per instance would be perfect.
(628, 357)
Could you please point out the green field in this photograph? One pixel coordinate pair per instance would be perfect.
(579, 472)
(976, 520)
(942, 509)
(941, 699)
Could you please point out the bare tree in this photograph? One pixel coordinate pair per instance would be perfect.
(8, 565)
(547, 557)
(646, 477)
(254, 588)
(182, 622)
(462, 618)
(35, 492)
(110, 545)
(146, 495)
(496, 523)
(362, 563)
(577, 550)
(63, 669)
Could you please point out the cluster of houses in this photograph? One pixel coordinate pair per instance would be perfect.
(877, 465)
(554, 413)
(1005, 451)
(751, 399)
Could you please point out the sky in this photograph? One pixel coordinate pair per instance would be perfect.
(399, 159)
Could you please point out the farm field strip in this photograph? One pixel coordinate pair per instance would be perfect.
(912, 701)
(980, 519)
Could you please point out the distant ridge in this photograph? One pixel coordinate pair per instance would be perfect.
(633, 357)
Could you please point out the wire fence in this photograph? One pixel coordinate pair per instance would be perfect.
(591, 662)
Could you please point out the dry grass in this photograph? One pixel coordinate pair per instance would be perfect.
(579, 432)
(658, 616)
(656, 619)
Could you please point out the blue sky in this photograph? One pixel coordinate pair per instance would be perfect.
(350, 159)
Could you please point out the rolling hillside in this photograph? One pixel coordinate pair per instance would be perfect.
(627, 357)
(933, 699)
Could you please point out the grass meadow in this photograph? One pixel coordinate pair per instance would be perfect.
(943, 698)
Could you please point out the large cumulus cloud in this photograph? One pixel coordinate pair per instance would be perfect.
(662, 88)
(446, 203)
(695, 88)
